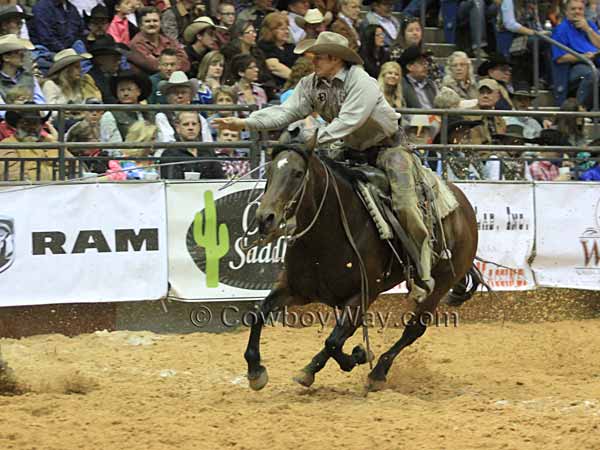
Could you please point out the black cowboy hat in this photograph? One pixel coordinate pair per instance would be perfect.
(410, 55)
(522, 89)
(513, 133)
(282, 5)
(11, 11)
(106, 45)
(494, 60)
(142, 81)
(455, 124)
(97, 12)
(12, 117)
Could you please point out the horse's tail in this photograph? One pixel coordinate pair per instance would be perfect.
(465, 288)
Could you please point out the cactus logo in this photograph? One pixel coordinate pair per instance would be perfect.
(217, 240)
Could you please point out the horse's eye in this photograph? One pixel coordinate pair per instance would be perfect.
(298, 174)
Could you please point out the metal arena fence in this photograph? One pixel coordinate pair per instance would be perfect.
(67, 167)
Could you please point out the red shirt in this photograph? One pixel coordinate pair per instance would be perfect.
(145, 54)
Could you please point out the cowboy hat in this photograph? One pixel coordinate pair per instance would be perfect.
(198, 25)
(303, 45)
(97, 12)
(106, 45)
(410, 55)
(178, 79)
(491, 62)
(11, 11)
(11, 43)
(456, 124)
(333, 44)
(65, 58)
(313, 17)
(12, 117)
(522, 89)
(513, 132)
(142, 81)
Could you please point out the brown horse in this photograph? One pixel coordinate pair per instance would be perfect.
(322, 266)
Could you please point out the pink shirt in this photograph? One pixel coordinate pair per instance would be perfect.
(119, 29)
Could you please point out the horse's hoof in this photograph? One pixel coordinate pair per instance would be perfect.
(375, 385)
(360, 355)
(259, 380)
(305, 378)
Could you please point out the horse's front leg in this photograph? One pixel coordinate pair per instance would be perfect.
(347, 321)
(257, 374)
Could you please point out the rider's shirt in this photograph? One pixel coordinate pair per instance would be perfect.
(352, 103)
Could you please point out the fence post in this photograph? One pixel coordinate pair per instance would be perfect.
(61, 140)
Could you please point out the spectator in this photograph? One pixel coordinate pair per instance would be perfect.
(419, 90)
(582, 36)
(390, 82)
(12, 71)
(248, 92)
(177, 17)
(188, 126)
(522, 98)
(210, 75)
(130, 88)
(313, 23)
(167, 64)
(56, 24)
(411, 34)
(226, 20)
(29, 126)
(224, 96)
(140, 169)
(296, 9)
(148, 44)
(88, 130)
(547, 169)
(97, 22)
(571, 128)
(489, 93)
(256, 13)
(17, 95)
(201, 39)
(120, 28)
(12, 21)
(381, 14)
(300, 69)
(498, 68)
(373, 51)
(179, 90)
(237, 168)
(279, 54)
(347, 22)
(106, 58)
(460, 77)
(65, 83)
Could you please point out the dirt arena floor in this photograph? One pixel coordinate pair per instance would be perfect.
(516, 373)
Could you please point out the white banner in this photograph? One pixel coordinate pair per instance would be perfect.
(82, 243)
(505, 220)
(208, 230)
(568, 235)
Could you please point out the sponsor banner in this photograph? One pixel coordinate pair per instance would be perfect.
(505, 221)
(209, 230)
(82, 243)
(568, 235)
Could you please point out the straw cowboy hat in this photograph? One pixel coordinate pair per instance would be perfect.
(12, 12)
(178, 79)
(12, 117)
(65, 58)
(11, 43)
(313, 17)
(198, 25)
(141, 79)
(334, 44)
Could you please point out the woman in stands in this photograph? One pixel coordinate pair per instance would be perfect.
(390, 82)
(279, 53)
(247, 91)
(210, 74)
(373, 51)
(460, 77)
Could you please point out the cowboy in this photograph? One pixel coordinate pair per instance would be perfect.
(344, 95)
(107, 56)
(522, 98)
(313, 23)
(200, 38)
(13, 52)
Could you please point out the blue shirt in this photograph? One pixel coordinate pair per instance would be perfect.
(572, 37)
(56, 26)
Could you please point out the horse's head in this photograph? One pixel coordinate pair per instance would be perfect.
(286, 181)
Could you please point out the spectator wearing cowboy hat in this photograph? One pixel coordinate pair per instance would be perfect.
(522, 98)
(200, 39)
(347, 22)
(179, 90)
(97, 22)
(12, 21)
(106, 59)
(313, 23)
(419, 91)
(498, 68)
(130, 88)
(65, 83)
(12, 71)
(29, 127)
(148, 44)
(56, 24)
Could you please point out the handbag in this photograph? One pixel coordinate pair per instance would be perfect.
(518, 47)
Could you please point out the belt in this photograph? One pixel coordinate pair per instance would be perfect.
(369, 155)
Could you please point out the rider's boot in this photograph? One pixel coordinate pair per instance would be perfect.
(418, 293)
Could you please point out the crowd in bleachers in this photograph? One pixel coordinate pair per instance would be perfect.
(236, 52)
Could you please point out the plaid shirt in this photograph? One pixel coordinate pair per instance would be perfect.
(543, 171)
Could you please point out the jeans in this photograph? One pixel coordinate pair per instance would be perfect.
(449, 10)
(585, 90)
(470, 11)
(413, 8)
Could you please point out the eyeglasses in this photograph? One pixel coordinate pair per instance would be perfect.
(250, 32)
(380, 35)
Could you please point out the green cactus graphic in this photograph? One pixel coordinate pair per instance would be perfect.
(205, 235)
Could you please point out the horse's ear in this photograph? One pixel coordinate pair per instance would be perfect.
(311, 142)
